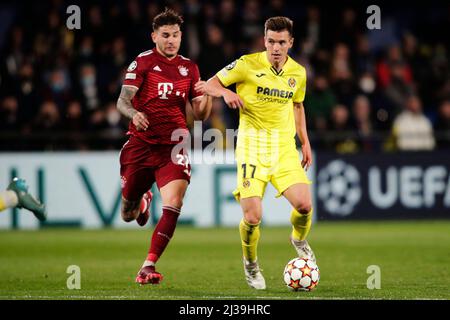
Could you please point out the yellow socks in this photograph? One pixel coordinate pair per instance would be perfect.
(301, 224)
(249, 239)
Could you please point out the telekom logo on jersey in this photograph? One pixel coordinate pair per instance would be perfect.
(165, 88)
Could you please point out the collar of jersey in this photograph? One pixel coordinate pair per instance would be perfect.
(164, 59)
(267, 63)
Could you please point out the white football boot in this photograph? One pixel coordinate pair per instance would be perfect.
(253, 275)
(303, 249)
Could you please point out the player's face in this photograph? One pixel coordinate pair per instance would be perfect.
(167, 39)
(277, 45)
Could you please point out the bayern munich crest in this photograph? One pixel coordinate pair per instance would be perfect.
(183, 70)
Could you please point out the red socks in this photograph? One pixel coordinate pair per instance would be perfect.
(163, 232)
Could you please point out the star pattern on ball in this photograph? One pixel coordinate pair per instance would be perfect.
(306, 271)
(289, 268)
(295, 284)
(312, 285)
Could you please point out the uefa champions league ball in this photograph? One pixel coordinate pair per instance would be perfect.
(301, 274)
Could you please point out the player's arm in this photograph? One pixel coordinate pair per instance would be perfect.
(125, 107)
(216, 89)
(300, 125)
(201, 105)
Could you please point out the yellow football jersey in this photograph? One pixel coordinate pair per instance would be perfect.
(267, 120)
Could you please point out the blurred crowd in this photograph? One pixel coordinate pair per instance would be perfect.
(367, 90)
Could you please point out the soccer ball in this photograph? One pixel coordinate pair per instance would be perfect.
(301, 274)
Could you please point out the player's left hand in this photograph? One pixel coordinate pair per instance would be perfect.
(200, 86)
(307, 156)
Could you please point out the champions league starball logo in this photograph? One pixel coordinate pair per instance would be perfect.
(339, 188)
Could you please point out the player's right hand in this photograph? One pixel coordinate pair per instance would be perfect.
(140, 121)
(233, 100)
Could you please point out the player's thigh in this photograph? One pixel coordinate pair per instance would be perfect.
(135, 181)
(252, 209)
(173, 179)
(289, 172)
(299, 196)
(249, 184)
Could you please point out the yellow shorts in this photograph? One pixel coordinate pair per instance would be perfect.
(253, 174)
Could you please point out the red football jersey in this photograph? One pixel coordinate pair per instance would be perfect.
(163, 87)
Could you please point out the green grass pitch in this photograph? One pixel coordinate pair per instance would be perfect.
(414, 258)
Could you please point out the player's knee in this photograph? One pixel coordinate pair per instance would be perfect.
(303, 206)
(175, 201)
(130, 215)
(252, 216)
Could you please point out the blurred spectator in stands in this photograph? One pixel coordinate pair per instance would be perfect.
(228, 21)
(367, 85)
(442, 126)
(10, 124)
(276, 8)
(27, 92)
(439, 83)
(74, 118)
(212, 57)
(106, 70)
(74, 125)
(319, 102)
(341, 74)
(251, 21)
(88, 87)
(115, 124)
(364, 124)
(412, 130)
(58, 87)
(86, 53)
(385, 72)
(97, 120)
(9, 114)
(48, 118)
(12, 59)
(311, 31)
(192, 29)
(114, 127)
(95, 26)
(343, 138)
(398, 88)
(348, 29)
(364, 59)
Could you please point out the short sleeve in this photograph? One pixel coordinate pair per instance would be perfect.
(299, 95)
(195, 76)
(135, 73)
(235, 72)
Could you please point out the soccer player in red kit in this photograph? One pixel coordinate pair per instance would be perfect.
(157, 86)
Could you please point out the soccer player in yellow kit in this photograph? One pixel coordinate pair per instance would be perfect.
(270, 92)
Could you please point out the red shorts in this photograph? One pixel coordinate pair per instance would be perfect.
(142, 164)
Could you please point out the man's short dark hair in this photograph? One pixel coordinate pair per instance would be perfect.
(167, 18)
(279, 24)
